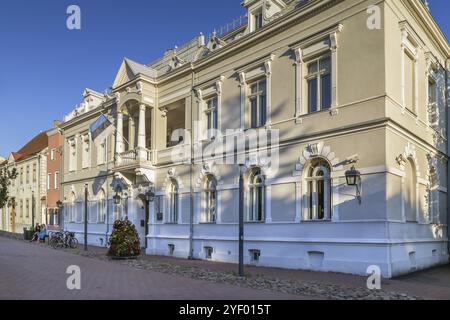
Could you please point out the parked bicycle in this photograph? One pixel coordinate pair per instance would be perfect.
(62, 240)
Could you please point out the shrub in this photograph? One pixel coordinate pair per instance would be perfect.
(124, 240)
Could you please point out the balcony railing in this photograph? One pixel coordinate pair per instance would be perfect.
(135, 158)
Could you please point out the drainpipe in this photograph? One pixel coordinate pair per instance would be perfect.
(447, 103)
(191, 220)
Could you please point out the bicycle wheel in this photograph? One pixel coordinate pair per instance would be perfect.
(54, 242)
(73, 243)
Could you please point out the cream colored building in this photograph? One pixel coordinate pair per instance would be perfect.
(343, 83)
(29, 189)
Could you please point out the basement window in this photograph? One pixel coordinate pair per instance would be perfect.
(255, 255)
(208, 253)
(171, 249)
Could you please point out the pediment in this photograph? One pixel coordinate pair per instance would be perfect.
(125, 75)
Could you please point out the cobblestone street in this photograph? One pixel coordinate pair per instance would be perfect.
(29, 271)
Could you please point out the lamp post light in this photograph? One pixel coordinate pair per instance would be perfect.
(32, 209)
(59, 205)
(241, 220)
(86, 194)
(150, 195)
(117, 197)
(353, 178)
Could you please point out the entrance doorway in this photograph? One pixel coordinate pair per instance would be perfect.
(143, 218)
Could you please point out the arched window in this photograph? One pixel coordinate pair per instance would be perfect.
(410, 191)
(433, 196)
(102, 206)
(257, 196)
(173, 199)
(318, 190)
(210, 199)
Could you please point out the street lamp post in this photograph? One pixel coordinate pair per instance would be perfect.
(32, 209)
(86, 217)
(241, 220)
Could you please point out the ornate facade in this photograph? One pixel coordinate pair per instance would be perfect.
(338, 91)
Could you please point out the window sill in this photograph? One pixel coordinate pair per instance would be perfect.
(207, 223)
(317, 221)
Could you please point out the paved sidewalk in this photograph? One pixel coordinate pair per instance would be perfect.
(30, 271)
(428, 284)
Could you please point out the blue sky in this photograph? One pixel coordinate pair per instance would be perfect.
(44, 67)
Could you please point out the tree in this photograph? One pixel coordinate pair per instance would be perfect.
(124, 241)
(6, 176)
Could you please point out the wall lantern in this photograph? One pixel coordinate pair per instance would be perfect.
(150, 195)
(353, 178)
(117, 197)
(59, 204)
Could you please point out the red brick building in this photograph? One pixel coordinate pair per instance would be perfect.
(53, 176)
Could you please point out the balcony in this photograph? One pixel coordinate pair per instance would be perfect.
(135, 159)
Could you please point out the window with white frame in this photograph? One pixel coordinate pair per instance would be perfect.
(21, 209)
(258, 103)
(86, 148)
(53, 154)
(72, 154)
(409, 81)
(257, 19)
(102, 206)
(210, 199)
(318, 190)
(257, 196)
(173, 200)
(319, 84)
(34, 172)
(409, 67)
(27, 212)
(28, 175)
(212, 116)
(56, 180)
(101, 153)
(49, 181)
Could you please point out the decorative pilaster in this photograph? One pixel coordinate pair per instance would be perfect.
(334, 71)
(142, 152)
(268, 73)
(243, 86)
(119, 134)
(298, 82)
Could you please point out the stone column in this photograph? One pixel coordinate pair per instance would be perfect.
(142, 151)
(119, 134)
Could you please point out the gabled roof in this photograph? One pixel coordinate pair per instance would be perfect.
(36, 145)
(130, 69)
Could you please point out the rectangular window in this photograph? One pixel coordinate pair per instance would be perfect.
(72, 155)
(432, 91)
(21, 176)
(319, 84)
(212, 116)
(49, 179)
(27, 177)
(101, 153)
(86, 152)
(27, 212)
(258, 104)
(257, 20)
(56, 180)
(34, 172)
(53, 155)
(409, 82)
